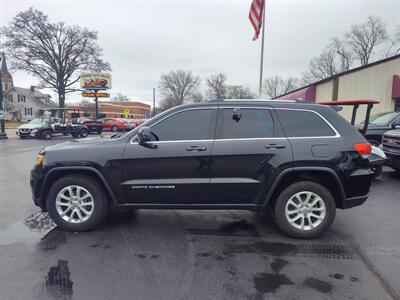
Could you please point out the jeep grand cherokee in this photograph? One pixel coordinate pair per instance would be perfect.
(302, 161)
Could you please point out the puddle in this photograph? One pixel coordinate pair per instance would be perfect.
(269, 283)
(28, 231)
(318, 285)
(278, 264)
(235, 228)
(299, 250)
(58, 279)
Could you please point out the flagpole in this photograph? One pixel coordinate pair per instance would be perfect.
(262, 53)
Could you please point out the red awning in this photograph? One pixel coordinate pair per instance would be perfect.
(305, 94)
(396, 87)
(349, 102)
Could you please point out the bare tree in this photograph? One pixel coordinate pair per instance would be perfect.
(345, 57)
(178, 87)
(394, 44)
(321, 67)
(364, 38)
(119, 97)
(53, 52)
(217, 87)
(275, 86)
(240, 92)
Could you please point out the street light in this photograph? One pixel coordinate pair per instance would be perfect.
(3, 134)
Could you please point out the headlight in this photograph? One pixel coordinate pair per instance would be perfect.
(39, 160)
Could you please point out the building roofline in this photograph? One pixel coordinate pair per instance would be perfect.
(378, 62)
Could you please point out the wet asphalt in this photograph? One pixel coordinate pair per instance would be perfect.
(165, 254)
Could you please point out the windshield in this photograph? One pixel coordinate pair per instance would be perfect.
(37, 121)
(382, 119)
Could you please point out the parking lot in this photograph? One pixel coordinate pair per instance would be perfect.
(163, 254)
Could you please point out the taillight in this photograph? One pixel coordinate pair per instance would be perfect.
(363, 149)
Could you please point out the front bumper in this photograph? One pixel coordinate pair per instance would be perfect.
(36, 181)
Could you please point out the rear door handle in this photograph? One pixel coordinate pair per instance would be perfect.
(275, 146)
(196, 149)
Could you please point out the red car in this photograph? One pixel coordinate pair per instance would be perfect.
(114, 125)
(92, 124)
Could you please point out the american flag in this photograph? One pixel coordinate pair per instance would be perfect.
(255, 16)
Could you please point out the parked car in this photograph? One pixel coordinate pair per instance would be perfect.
(47, 126)
(379, 124)
(130, 122)
(114, 125)
(300, 161)
(91, 124)
(391, 147)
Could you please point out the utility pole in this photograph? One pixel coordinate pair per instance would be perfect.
(3, 134)
(154, 102)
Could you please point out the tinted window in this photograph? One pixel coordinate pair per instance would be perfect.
(247, 123)
(297, 123)
(382, 119)
(187, 125)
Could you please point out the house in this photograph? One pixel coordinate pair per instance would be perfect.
(24, 104)
(21, 103)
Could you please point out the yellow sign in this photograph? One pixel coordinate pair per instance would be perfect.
(126, 112)
(98, 95)
(95, 81)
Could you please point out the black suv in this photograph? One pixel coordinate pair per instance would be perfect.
(300, 161)
(391, 147)
(379, 124)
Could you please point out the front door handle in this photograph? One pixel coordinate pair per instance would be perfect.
(196, 149)
(275, 146)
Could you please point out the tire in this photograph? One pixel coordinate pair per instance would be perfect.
(114, 128)
(46, 135)
(87, 185)
(22, 137)
(83, 133)
(377, 171)
(326, 206)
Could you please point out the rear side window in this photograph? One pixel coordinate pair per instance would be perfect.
(197, 124)
(247, 123)
(298, 123)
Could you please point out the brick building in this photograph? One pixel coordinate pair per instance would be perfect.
(113, 109)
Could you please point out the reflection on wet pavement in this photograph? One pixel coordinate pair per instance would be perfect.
(30, 230)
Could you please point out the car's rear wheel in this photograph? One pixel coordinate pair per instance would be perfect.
(304, 210)
(84, 133)
(114, 128)
(46, 135)
(77, 203)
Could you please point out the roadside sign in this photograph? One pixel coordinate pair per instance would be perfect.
(126, 112)
(95, 81)
(98, 95)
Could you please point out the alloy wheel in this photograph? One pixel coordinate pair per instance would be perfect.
(74, 204)
(305, 210)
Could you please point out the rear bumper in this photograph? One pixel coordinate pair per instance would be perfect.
(354, 201)
(356, 186)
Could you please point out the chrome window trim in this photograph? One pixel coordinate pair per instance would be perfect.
(174, 113)
(337, 135)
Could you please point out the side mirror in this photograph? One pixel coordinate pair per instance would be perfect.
(237, 114)
(396, 126)
(144, 135)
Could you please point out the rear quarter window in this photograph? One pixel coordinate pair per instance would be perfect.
(300, 123)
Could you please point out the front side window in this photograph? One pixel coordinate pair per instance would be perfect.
(298, 123)
(247, 123)
(195, 124)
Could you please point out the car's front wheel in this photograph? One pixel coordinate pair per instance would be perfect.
(304, 210)
(77, 203)
(46, 135)
(83, 133)
(114, 128)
